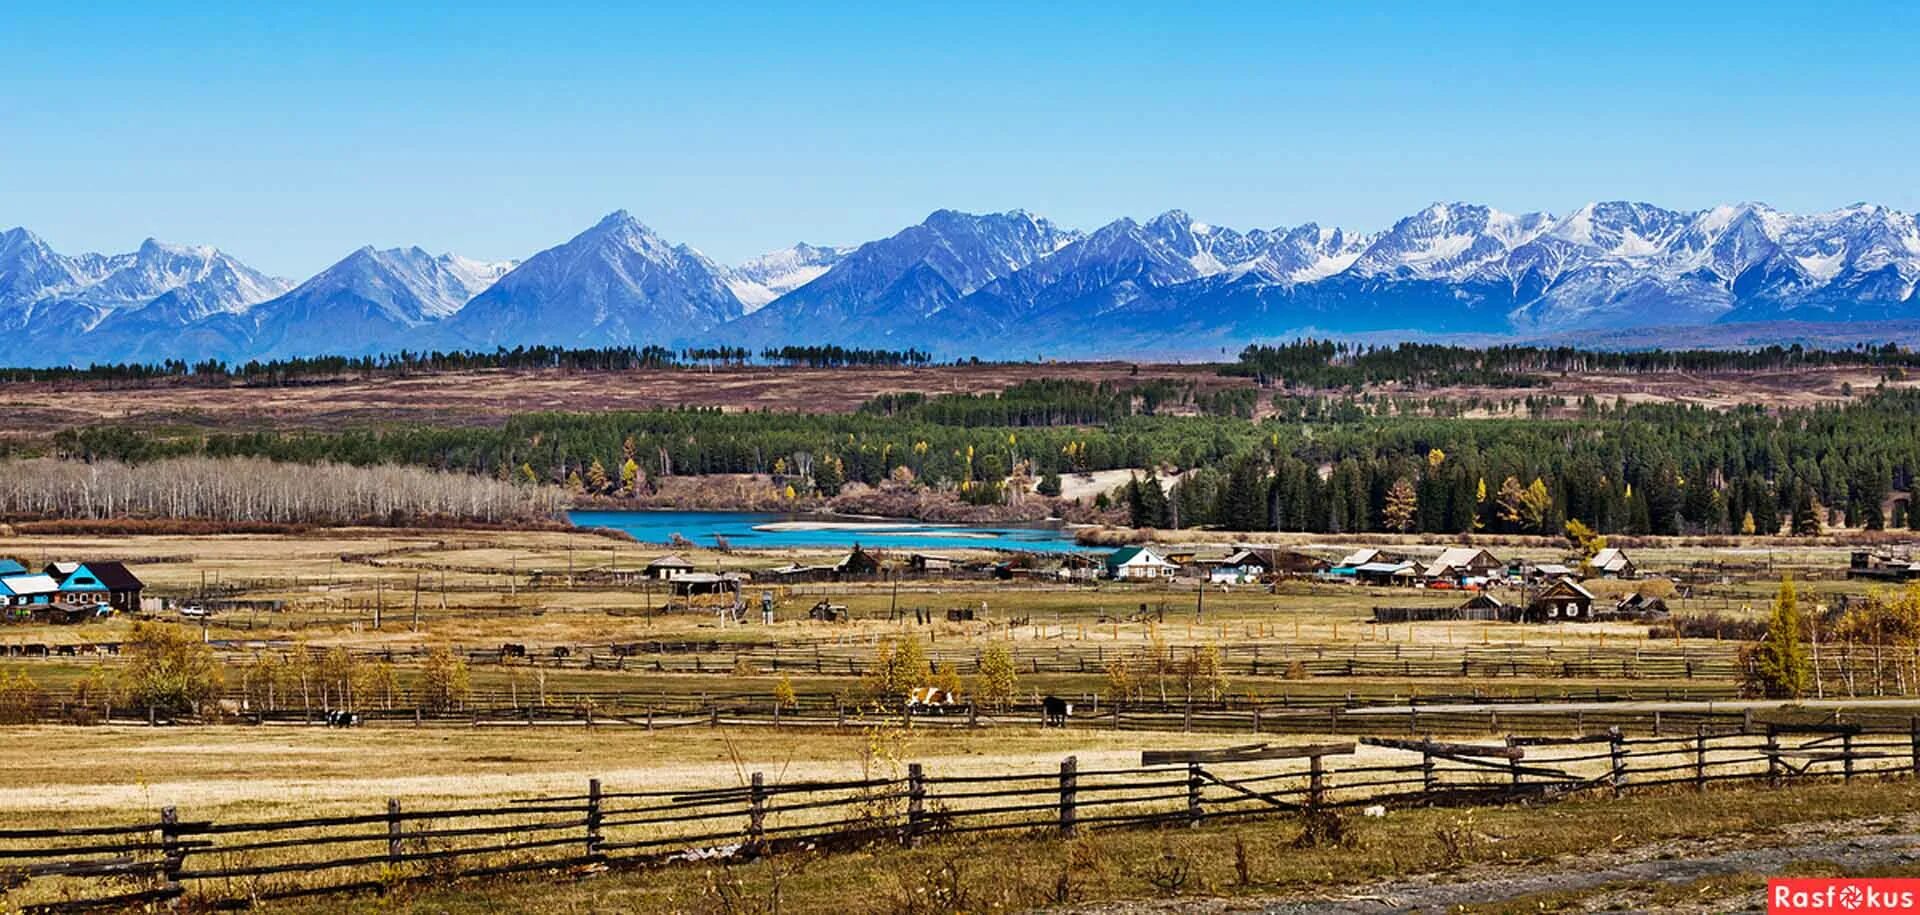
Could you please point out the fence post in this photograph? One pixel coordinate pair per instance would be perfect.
(757, 809)
(1700, 758)
(1194, 782)
(1846, 756)
(916, 803)
(1316, 781)
(593, 818)
(393, 831)
(1186, 718)
(170, 850)
(1617, 754)
(1773, 756)
(1426, 769)
(1069, 794)
(1914, 741)
(1256, 719)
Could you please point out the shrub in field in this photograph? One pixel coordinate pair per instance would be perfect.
(783, 695)
(1780, 668)
(20, 698)
(998, 677)
(169, 669)
(444, 684)
(899, 667)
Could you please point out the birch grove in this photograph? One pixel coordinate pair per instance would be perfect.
(257, 490)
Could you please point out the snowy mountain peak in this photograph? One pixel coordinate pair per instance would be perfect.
(759, 280)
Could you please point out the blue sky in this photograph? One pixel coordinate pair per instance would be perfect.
(290, 137)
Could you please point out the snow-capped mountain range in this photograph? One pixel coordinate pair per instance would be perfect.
(1000, 284)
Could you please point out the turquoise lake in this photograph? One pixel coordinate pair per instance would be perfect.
(765, 530)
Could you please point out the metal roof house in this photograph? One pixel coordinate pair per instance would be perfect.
(101, 583)
(1138, 563)
(1613, 563)
(1464, 562)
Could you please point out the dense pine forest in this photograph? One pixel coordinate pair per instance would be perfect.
(1345, 465)
(1326, 364)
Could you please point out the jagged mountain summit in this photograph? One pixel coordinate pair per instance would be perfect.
(50, 293)
(370, 302)
(762, 279)
(882, 292)
(998, 284)
(618, 283)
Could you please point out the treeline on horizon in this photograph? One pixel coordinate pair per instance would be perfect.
(603, 359)
(1304, 363)
(1328, 364)
(1643, 469)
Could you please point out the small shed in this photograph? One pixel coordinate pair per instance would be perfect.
(1639, 606)
(931, 563)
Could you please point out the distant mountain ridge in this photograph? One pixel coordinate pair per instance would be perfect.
(998, 285)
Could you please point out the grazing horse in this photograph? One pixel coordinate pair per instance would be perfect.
(932, 700)
(1055, 711)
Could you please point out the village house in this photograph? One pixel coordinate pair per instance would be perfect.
(1457, 564)
(1358, 558)
(1239, 568)
(1139, 563)
(857, 564)
(1564, 601)
(669, 567)
(1612, 563)
(99, 584)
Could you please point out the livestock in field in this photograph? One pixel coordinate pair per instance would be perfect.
(1055, 711)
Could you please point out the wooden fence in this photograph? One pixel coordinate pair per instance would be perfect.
(231, 864)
